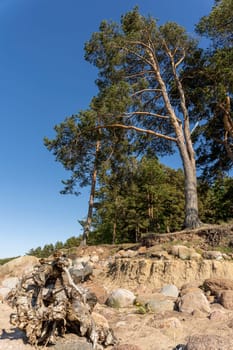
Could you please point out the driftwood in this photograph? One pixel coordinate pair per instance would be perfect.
(48, 304)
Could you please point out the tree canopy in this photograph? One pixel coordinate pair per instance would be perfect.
(158, 92)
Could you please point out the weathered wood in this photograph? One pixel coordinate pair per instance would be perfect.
(48, 304)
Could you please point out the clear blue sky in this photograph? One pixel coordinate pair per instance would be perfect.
(43, 79)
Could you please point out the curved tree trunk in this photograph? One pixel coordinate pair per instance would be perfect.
(185, 147)
(191, 199)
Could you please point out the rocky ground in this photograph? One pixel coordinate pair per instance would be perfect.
(168, 292)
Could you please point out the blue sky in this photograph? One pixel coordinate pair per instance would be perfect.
(43, 79)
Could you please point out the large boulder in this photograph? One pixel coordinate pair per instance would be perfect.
(17, 267)
(98, 289)
(192, 302)
(120, 298)
(215, 285)
(184, 253)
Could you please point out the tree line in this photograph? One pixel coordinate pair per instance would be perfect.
(159, 92)
(149, 198)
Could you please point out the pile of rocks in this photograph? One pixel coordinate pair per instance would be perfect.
(164, 308)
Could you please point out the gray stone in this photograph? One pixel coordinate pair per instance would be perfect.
(170, 290)
(120, 298)
(81, 274)
(160, 305)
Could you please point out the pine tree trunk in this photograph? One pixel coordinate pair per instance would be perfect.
(191, 198)
(114, 232)
(87, 226)
(185, 147)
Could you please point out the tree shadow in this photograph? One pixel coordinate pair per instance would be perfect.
(13, 334)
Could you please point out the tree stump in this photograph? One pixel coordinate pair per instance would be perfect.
(49, 304)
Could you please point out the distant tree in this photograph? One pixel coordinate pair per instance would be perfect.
(139, 63)
(148, 198)
(58, 245)
(47, 250)
(72, 242)
(36, 252)
(78, 152)
(216, 200)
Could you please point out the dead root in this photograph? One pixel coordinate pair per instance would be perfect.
(48, 304)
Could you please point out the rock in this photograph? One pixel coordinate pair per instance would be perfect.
(19, 266)
(170, 290)
(94, 259)
(195, 256)
(7, 285)
(81, 260)
(192, 301)
(156, 305)
(171, 322)
(230, 324)
(198, 313)
(72, 342)
(209, 342)
(100, 320)
(98, 290)
(120, 298)
(158, 254)
(126, 253)
(10, 282)
(142, 250)
(226, 256)
(4, 291)
(226, 299)
(183, 252)
(187, 290)
(102, 327)
(82, 273)
(77, 345)
(217, 315)
(212, 254)
(126, 347)
(215, 285)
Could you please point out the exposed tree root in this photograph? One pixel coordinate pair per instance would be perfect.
(48, 304)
